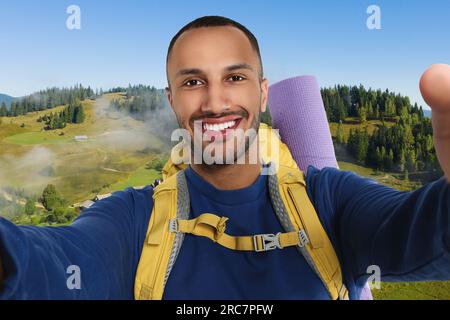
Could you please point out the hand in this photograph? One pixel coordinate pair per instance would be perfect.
(435, 89)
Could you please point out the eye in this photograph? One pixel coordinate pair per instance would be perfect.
(236, 77)
(192, 82)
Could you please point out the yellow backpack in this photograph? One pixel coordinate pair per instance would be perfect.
(169, 222)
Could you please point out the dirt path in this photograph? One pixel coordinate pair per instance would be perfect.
(112, 170)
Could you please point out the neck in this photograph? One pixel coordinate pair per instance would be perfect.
(229, 176)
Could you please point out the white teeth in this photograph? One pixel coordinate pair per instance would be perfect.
(219, 127)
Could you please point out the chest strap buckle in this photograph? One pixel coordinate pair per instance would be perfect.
(266, 242)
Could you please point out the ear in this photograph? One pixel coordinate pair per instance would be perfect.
(264, 94)
(169, 95)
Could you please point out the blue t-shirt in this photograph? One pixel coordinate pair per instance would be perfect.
(405, 234)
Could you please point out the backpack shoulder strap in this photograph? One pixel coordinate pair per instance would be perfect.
(152, 268)
(296, 212)
(291, 204)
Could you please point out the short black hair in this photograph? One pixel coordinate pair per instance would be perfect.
(216, 21)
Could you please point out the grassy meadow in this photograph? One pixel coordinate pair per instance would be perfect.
(115, 157)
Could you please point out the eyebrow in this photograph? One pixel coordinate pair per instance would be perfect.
(196, 71)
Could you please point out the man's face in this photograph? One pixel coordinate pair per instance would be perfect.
(214, 81)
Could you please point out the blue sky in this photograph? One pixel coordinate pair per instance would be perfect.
(123, 42)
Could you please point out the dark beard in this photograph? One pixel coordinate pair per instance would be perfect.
(238, 151)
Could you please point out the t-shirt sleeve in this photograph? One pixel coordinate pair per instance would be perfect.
(93, 258)
(406, 234)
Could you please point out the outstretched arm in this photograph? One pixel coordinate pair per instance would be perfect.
(93, 258)
(404, 233)
(407, 234)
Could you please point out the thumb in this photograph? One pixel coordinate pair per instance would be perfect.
(435, 87)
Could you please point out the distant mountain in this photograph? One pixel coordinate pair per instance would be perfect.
(427, 113)
(7, 99)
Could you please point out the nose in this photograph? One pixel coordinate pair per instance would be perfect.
(216, 100)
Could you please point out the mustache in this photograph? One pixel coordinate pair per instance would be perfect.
(241, 113)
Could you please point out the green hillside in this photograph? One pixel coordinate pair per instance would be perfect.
(116, 148)
(116, 155)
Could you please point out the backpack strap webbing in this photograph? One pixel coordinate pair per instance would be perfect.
(296, 212)
(170, 200)
(213, 227)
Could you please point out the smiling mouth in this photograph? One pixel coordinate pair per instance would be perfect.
(223, 127)
(220, 126)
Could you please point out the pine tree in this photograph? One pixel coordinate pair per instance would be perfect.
(377, 112)
(79, 115)
(378, 159)
(59, 122)
(342, 113)
(370, 112)
(3, 110)
(411, 160)
(390, 107)
(402, 161)
(389, 161)
(54, 123)
(362, 114)
(358, 143)
(340, 133)
(382, 157)
(363, 144)
(12, 110)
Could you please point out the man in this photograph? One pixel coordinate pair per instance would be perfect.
(215, 77)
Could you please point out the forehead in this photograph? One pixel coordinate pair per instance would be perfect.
(211, 47)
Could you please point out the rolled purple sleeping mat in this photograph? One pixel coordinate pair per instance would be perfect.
(298, 113)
